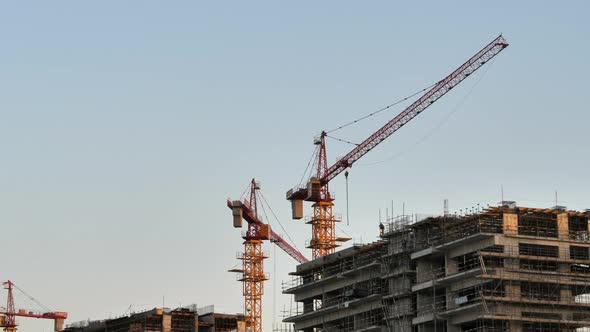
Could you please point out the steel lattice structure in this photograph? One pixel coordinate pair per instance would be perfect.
(252, 273)
(323, 239)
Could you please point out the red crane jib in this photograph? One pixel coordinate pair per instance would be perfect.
(10, 312)
(47, 315)
(274, 237)
(431, 96)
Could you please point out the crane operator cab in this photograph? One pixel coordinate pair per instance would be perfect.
(314, 188)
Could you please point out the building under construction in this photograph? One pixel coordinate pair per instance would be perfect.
(506, 268)
(185, 319)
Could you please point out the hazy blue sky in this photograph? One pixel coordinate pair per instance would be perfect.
(124, 125)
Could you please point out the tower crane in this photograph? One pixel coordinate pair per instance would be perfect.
(316, 190)
(252, 272)
(8, 315)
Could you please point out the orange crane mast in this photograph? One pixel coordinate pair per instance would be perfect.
(324, 240)
(8, 315)
(252, 273)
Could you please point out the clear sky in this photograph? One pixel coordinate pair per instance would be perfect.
(124, 125)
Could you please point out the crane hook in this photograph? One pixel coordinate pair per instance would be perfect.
(347, 214)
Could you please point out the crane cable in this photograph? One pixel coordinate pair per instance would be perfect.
(341, 140)
(343, 231)
(315, 151)
(438, 125)
(278, 221)
(381, 109)
(245, 191)
(46, 308)
(264, 216)
(347, 213)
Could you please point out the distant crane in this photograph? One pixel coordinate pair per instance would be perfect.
(8, 315)
(324, 240)
(252, 271)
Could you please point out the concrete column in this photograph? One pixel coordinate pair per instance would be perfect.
(511, 263)
(453, 328)
(566, 295)
(450, 265)
(510, 223)
(515, 326)
(423, 270)
(563, 226)
(58, 325)
(166, 323)
(564, 267)
(425, 302)
(450, 302)
(512, 290)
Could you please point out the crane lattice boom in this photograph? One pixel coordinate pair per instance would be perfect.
(323, 220)
(431, 96)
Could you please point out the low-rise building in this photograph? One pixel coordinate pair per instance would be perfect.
(185, 319)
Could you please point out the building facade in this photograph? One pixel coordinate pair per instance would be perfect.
(506, 268)
(165, 320)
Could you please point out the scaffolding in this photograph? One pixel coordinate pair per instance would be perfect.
(533, 277)
(182, 319)
(398, 273)
(506, 268)
(360, 289)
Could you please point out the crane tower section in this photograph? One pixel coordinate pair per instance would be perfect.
(252, 273)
